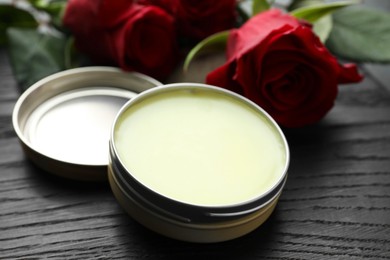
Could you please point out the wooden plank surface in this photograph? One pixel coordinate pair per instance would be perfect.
(336, 204)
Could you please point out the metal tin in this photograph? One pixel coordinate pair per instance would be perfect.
(63, 121)
(185, 221)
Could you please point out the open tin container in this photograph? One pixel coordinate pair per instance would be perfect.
(67, 104)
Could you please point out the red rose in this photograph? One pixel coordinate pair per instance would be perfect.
(167, 5)
(124, 34)
(201, 18)
(277, 62)
(198, 19)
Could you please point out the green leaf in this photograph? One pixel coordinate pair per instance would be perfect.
(259, 6)
(323, 27)
(54, 8)
(361, 34)
(72, 57)
(214, 42)
(12, 16)
(69, 54)
(34, 55)
(313, 13)
(301, 3)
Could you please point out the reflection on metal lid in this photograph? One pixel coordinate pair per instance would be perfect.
(64, 120)
(75, 126)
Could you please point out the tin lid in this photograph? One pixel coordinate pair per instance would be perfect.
(63, 121)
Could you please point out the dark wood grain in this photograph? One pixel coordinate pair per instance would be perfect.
(336, 204)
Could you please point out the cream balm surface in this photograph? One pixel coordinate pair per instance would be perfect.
(200, 147)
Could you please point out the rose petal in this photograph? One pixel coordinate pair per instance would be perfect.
(111, 13)
(221, 77)
(146, 43)
(80, 18)
(250, 35)
(198, 19)
(349, 74)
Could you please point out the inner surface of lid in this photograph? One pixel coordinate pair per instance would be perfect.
(74, 126)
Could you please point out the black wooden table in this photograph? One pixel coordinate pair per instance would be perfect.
(336, 203)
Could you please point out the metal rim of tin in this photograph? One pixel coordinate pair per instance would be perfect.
(74, 104)
(212, 232)
(177, 211)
